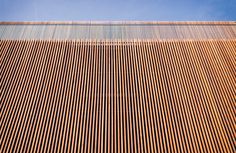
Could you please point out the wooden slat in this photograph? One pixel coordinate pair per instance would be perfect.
(117, 96)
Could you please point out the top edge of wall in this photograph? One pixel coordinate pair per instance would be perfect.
(120, 23)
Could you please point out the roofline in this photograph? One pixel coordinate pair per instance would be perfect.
(119, 23)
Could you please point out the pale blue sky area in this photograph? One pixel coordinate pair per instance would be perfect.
(109, 10)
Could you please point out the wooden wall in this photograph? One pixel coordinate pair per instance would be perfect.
(117, 96)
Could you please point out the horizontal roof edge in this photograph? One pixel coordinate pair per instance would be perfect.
(121, 22)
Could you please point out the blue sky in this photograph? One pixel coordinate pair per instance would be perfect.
(144, 10)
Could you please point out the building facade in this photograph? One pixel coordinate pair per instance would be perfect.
(117, 86)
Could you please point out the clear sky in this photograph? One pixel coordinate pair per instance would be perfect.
(109, 10)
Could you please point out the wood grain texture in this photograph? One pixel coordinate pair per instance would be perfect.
(117, 96)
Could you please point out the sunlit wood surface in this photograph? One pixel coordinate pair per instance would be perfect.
(118, 96)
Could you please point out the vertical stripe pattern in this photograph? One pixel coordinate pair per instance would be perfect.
(117, 96)
(113, 30)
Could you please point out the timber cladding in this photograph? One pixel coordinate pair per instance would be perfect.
(117, 96)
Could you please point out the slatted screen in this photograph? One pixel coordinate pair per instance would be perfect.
(117, 30)
(118, 96)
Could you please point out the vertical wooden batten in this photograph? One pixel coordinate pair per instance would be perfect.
(157, 94)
